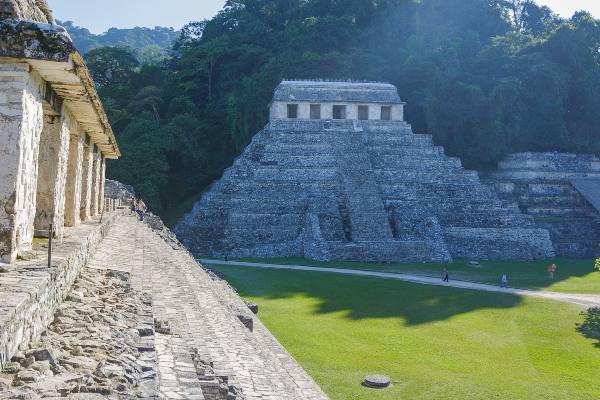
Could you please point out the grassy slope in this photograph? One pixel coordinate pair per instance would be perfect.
(437, 343)
(573, 276)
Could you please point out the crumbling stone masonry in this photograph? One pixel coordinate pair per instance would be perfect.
(561, 192)
(52, 125)
(338, 175)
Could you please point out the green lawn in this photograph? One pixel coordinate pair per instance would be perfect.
(573, 276)
(435, 342)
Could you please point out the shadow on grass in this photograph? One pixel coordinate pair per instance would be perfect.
(364, 298)
(526, 275)
(590, 327)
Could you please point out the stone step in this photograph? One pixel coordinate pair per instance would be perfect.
(385, 177)
(297, 149)
(426, 153)
(275, 174)
(554, 211)
(534, 188)
(214, 321)
(393, 162)
(367, 217)
(499, 243)
(544, 175)
(542, 200)
(431, 190)
(298, 161)
(383, 142)
(390, 251)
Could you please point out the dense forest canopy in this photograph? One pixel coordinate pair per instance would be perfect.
(150, 45)
(485, 77)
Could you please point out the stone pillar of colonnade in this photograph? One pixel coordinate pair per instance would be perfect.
(74, 179)
(102, 184)
(52, 176)
(86, 183)
(21, 123)
(96, 175)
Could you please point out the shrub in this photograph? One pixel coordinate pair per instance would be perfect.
(590, 327)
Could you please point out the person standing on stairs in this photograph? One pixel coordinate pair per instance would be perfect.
(142, 209)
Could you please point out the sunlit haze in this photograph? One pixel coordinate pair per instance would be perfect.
(98, 16)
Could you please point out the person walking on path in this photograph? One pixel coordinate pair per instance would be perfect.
(504, 281)
(446, 275)
(142, 209)
(551, 270)
(133, 207)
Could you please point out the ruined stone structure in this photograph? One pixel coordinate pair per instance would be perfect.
(54, 135)
(117, 309)
(337, 174)
(127, 313)
(562, 193)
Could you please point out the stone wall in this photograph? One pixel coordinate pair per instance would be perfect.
(21, 122)
(543, 186)
(278, 110)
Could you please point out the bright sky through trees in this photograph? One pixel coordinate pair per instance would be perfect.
(98, 16)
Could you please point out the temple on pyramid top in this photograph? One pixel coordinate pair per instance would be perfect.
(316, 100)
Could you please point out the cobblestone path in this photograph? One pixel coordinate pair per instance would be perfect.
(209, 345)
(579, 299)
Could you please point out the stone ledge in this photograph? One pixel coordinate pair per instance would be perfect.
(35, 40)
(30, 292)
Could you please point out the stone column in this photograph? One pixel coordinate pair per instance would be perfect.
(102, 184)
(21, 122)
(86, 185)
(96, 182)
(52, 176)
(74, 179)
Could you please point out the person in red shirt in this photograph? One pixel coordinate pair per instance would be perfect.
(551, 269)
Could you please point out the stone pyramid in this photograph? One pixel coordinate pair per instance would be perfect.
(354, 189)
(561, 192)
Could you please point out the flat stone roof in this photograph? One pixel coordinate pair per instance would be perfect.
(50, 51)
(343, 92)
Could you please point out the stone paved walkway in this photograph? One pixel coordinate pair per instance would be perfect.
(579, 299)
(204, 330)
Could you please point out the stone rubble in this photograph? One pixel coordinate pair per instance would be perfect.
(100, 345)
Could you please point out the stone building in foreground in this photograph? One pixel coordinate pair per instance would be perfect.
(337, 174)
(54, 134)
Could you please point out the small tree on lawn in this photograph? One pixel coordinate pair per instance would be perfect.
(590, 327)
